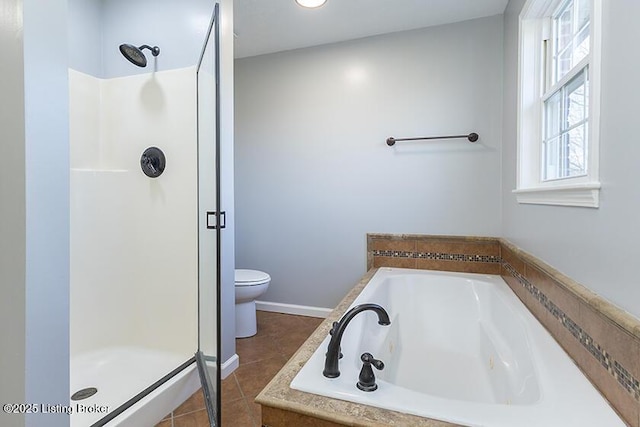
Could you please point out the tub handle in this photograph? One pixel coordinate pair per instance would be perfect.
(367, 379)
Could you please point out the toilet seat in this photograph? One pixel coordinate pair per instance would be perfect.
(245, 277)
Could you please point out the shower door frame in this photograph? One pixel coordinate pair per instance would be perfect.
(212, 396)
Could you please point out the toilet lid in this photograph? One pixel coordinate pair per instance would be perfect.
(251, 277)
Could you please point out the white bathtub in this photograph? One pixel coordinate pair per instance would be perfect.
(461, 348)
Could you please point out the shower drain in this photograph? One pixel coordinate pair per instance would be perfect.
(84, 393)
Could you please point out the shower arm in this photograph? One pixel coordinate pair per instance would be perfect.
(155, 50)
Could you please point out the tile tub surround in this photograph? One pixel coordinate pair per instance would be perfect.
(446, 253)
(603, 340)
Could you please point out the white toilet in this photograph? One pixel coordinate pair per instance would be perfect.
(250, 284)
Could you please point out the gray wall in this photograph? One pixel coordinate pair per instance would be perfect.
(34, 198)
(85, 36)
(313, 172)
(597, 247)
(47, 199)
(177, 27)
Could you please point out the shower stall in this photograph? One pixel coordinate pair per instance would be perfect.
(145, 224)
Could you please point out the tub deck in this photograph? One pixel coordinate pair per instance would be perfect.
(283, 405)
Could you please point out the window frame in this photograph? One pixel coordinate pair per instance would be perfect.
(533, 74)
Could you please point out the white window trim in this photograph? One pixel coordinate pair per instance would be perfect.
(583, 190)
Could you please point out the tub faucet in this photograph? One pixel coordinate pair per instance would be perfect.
(333, 351)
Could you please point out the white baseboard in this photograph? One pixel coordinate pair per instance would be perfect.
(230, 365)
(300, 310)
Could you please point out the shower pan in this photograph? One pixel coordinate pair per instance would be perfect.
(145, 239)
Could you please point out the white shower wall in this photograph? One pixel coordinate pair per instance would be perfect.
(133, 238)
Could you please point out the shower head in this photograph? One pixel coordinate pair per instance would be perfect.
(135, 55)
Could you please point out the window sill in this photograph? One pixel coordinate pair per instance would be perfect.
(583, 195)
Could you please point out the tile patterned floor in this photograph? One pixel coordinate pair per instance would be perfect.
(261, 357)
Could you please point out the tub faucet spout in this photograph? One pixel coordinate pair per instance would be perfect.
(333, 351)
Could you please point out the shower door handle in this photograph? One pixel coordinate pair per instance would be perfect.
(212, 220)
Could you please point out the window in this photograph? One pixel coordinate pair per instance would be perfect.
(558, 103)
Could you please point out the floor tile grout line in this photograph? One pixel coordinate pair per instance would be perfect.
(189, 413)
(248, 411)
(235, 377)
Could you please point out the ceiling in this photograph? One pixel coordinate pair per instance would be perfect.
(267, 26)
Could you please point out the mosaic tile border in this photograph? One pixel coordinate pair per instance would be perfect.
(613, 367)
(438, 256)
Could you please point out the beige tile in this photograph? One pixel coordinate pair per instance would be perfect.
(571, 345)
(392, 244)
(258, 347)
(302, 324)
(193, 403)
(253, 377)
(261, 357)
(459, 266)
(564, 300)
(461, 246)
(268, 315)
(604, 332)
(504, 271)
(280, 418)
(192, 419)
(483, 267)
(622, 346)
(282, 325)
(289, 344)
(438, 246)
(512, 258)
(440, 265)
(622, 402)
(310, 324)
(237, 414)
(230, 389)
(268, 323)
(255, 410)
(560, 296)
(164, 423)
(622, 318)
(382, 261)
(516, 287)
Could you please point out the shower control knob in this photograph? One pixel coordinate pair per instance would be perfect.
(153, 162)
(367, 379)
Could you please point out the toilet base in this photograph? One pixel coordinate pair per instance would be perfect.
(246, 323)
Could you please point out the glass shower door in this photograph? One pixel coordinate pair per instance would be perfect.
(210, 220)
